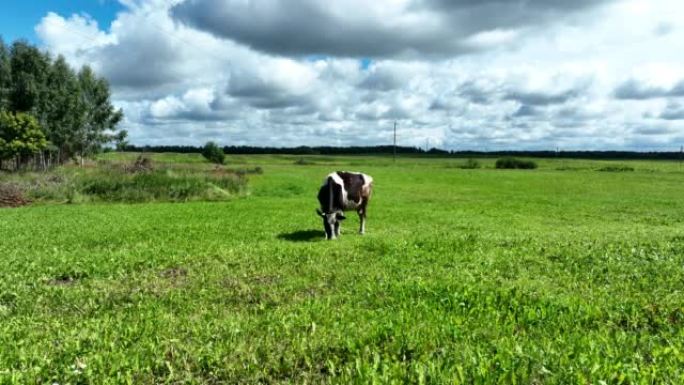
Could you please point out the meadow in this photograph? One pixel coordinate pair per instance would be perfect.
(572, 273)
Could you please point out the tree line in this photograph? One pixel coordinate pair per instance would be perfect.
(301, 150)
(51, 113)
(402, 150)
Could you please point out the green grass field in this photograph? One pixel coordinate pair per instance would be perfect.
(560, 275)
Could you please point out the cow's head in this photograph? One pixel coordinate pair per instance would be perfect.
(331, 222)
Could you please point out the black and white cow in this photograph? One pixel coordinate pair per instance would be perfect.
(343, 191)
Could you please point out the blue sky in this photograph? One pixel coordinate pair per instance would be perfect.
(18, 18)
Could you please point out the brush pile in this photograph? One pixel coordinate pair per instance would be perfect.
(11, 195)
(141, 164)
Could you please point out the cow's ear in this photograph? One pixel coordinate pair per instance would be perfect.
(320, 213)
(340, 217)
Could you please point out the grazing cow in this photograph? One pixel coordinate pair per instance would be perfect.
(343, 191)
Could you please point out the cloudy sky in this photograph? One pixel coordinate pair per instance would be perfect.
(455, 74)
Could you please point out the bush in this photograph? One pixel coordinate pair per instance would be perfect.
(619, 168)
(303, 162)
(20, 136)
(470, 164)
(514, 163)
(213, 153)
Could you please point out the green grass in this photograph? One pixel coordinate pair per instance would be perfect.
(560, 275)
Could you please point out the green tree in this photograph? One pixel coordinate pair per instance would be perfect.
(63, 115)
(5, 76)
(98, 117)
(29, 71)
(73, 110)
(20, 136)
(213, 153)
(120, 142)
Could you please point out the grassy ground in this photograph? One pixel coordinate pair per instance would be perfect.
(560, 275)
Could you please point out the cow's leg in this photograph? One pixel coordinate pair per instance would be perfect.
(362, 217)
(329, 231)
(337, 228)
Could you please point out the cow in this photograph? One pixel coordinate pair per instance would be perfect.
(343, 191)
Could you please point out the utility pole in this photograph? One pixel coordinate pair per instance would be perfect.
(395, 142)
(558, 157)
(681, 152)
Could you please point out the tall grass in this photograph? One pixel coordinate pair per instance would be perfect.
(160, 185)
(114, 184)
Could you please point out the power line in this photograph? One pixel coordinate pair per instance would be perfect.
(66, 25)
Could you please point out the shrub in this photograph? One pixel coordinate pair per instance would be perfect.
(20, 136)
(470, 164)
(618, 168)
(514, 163)
(303, 162)
(213, 153)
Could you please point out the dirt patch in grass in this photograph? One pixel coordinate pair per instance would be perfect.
(173, 277)
(66, 279)
(249, 291)
(173, 273)
(265, 280)
(251, 281)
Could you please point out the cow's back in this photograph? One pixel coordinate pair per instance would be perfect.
(353, 184)
(344, 190)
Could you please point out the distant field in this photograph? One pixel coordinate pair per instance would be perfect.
(559, 275)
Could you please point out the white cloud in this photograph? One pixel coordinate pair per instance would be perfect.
(71, 35)
(577, 76)
(492, 38)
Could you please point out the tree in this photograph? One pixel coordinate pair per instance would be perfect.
(20, 137)
(120, 142)
(5, 76)
(62, 115)
(99, 118)
(213, 153)
(73, 109)
(29, 70)
(78, 116)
